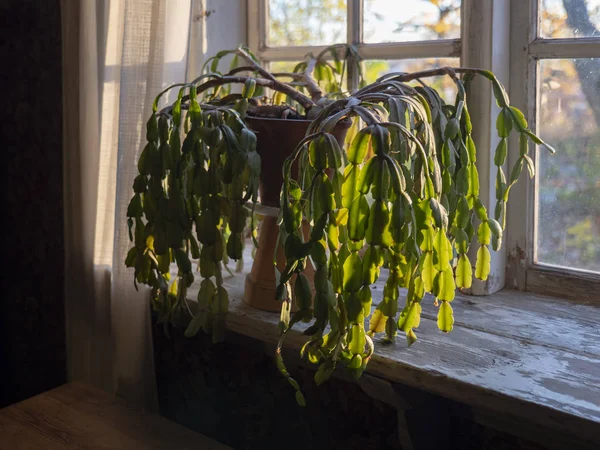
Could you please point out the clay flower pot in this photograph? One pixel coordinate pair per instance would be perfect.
(276, 140)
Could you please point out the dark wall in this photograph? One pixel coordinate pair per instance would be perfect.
(32, 339)
(233, 393)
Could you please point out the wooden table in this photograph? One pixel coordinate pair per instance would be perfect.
(77, 416)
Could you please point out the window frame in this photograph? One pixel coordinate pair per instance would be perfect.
(524, 272)
(502, 37)
(258, 22)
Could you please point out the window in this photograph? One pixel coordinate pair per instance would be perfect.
(546, 52)
(389, 38)
(557, 79)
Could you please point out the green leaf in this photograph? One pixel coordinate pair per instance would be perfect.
(326, 194)
(482, 266)
(461, 240)
(444, 287)
(372, 261)
(352, 273)
(411, 318)
(484, 234)
(365, 297)
(452, 128)
(206, 293)
(495, 228)
(471, 149)
(442, 250)
(523, 144)
(349, 187)
(504, 123)
(445, 319)
(367, 174)
(516, 171)
(464, 272)
(480, 210)
(317, 155)
(499, 93)
(426, 243)
(377, 322)
(530, 166)
(462, 212)
(378, 232)
(518, 119)
(358, 147)
(358, 217)
(300, 399)
(411, 337)
(500, 154)
(439, 213)
(380, 140)
(500, 184)
(398, 213)
(473, 180)
(195, 325)
(302, 294)
(357, 339)
(462, 180)
(428, 271)
(131, 257)
(334, 152)
(381, 180)
(324, 372)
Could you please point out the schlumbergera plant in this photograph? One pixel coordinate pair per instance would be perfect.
(403, 194)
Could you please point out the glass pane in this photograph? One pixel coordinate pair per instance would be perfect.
(411, 20)
(569, 19)
(375, 68)
(568, 231)
(283, 66)
(306, 22)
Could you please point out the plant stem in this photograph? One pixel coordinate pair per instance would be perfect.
(315, 92)
(404, 77)
(306, 102)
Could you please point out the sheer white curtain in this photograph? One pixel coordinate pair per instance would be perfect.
(117, 55)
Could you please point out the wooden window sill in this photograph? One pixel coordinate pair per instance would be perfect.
(526, 356)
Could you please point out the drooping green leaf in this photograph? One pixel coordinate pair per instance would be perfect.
(357, 339)
(445, 320)
(378, 232)
(482, 266)
(352, 272)
(442, 250)
(444, 286)
(377, 322)
(516, 171)
(428, 271)
(518, 119)
(504, 123)
(500, 153)
(464, 272)
(358, 148)
(350, 185)
(530, 166)
(484, 233)
(358, 218)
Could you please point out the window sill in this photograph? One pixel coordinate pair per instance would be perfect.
(529, 357)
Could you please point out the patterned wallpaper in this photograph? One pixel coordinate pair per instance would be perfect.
(32, 342)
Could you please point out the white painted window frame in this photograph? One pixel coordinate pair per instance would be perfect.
(524, 272)
(507, 28)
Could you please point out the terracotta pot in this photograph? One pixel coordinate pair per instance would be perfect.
(276, 140)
